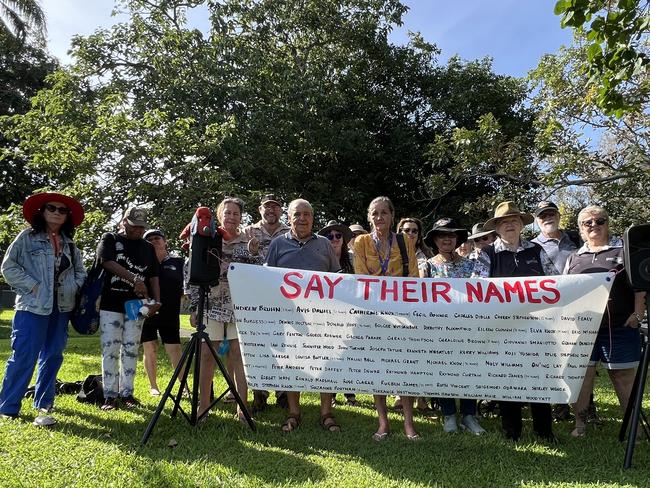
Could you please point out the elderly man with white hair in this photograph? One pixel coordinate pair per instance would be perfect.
(301, 248)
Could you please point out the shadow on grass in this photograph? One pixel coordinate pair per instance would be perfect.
(448, 460)
(225, 448)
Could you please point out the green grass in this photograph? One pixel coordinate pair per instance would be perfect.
(89, 447)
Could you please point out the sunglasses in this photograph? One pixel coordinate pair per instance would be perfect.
(53, 208)
(483, 238)
(592, 222)
(334, 235)
(410, 231)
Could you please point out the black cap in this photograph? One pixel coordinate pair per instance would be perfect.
(545, 205)
(153, 232)
(270, 198)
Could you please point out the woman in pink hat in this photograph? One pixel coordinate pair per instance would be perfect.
(45, 269)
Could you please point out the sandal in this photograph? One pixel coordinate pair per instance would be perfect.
(292, 423)
(330, 426)
(380, 436)
(580, 431)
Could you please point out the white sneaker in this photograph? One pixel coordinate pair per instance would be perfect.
(44, 421)
(450, 426)
(470, 423)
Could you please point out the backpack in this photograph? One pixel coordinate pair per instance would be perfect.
(92, 390)
(85, 315)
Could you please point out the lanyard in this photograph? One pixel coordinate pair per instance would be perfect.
(383, 262)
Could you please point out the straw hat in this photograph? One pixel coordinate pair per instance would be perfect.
(507, 209)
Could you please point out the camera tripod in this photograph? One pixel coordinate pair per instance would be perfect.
(192, 352)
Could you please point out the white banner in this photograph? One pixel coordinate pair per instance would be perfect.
(524, 339)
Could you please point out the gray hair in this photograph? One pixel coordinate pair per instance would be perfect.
(298, 201)
(590, 210)
(388, 202)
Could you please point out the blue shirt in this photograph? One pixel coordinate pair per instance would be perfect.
(315, 254)
(558, 250)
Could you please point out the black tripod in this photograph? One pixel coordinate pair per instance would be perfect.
(634, 413)
(193, 352)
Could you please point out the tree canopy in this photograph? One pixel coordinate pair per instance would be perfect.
(616, 53)
(296, 97)
(23, 20)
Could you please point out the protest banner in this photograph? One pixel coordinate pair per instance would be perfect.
(526, 339)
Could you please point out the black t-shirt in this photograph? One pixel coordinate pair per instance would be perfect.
(135, 255)
(620, 303)
(170, 278)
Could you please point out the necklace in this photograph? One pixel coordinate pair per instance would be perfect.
(383, 260)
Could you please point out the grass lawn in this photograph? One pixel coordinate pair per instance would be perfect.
(92, 448)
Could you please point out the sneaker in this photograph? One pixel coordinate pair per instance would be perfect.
(44, 421)
(8, 416)
(450, 426)
(109, 404)
(469, 422)
(130, 401)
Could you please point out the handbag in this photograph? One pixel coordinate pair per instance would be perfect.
(92, 390)
(85, 315)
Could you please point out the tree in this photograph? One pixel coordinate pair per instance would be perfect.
(297, 97)
(23, 69)
(579, 145)
(23, 19)
(617, 35)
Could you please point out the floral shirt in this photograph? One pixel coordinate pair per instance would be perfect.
(460, 267)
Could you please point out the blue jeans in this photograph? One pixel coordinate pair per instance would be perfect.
(34, 338)
(448, 406)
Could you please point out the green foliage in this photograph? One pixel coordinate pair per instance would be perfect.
(23, 20)
(579, 145)
(299, 98)
(617, 36)
(23, 69)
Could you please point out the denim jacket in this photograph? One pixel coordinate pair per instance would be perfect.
(29, 261)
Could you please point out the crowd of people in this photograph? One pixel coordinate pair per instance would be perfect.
(45, 268)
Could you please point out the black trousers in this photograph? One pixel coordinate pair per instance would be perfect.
(511, 419)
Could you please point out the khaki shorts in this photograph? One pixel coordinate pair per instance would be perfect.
(216, 330)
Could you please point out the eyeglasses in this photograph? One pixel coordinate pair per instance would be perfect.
(410, 231)
(53, 208)
(334, 235)
(592, 222)
(483, 238)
